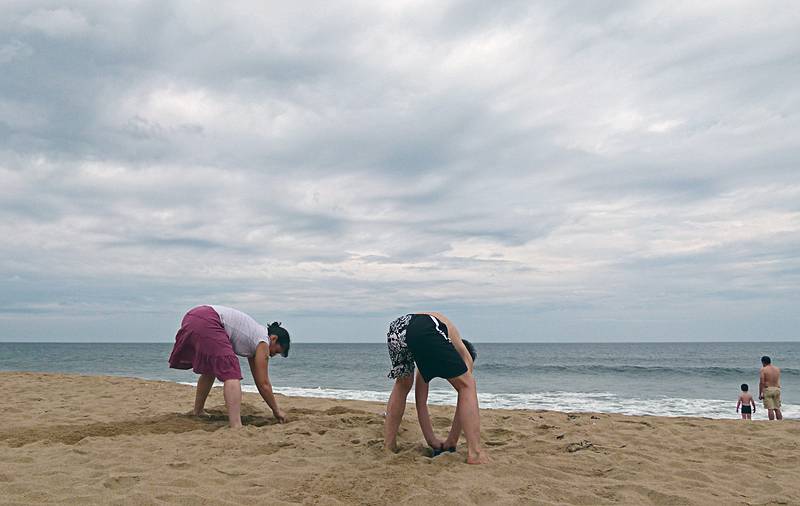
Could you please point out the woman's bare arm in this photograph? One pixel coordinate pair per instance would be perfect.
(259, 365)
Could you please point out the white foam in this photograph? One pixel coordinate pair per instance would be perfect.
(603, 402)
(569, 402)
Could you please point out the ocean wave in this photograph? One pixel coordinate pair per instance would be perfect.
(570, 402)
(638, 370)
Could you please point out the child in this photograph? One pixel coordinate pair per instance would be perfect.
(747, 403)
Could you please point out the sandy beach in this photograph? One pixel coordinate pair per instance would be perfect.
(69, 439)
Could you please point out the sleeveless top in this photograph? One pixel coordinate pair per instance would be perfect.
(244, 332)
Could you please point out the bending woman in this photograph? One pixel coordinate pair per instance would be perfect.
(208, 341)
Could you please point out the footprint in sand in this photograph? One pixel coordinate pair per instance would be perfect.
(340, 410)
(183, 483)
(499, 434)
(576, 447)
(121, 482)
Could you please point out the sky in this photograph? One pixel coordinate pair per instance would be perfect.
(537, 171)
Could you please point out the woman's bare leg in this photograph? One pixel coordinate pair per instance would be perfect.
(204, 385)
(232, 390)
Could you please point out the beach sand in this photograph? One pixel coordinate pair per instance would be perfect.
(71, 439)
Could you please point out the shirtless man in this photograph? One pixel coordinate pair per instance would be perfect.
(769, 388)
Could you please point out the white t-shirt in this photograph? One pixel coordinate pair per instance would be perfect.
(244, 332)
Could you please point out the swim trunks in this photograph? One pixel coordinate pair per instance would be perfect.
(772, 398)
(747, 410)
(424, 340)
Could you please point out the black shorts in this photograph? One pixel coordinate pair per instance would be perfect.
(425, 342)
(747, 410)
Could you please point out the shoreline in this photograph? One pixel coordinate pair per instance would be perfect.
(115, 440)
(553, 401)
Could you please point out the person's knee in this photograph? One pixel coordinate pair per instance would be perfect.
(231, 387)
(404, 383)
(464, 382)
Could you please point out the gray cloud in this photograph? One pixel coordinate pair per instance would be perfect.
(619, 170)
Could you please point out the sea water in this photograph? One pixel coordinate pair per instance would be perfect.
(668, 379)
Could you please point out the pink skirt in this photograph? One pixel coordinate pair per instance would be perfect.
(203, 346)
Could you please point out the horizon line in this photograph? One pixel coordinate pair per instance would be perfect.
(381, 342)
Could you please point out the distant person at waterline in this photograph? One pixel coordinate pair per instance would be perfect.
(748, 405)
(433, 343)
(208, 342)
(421, 398)
(769, 388)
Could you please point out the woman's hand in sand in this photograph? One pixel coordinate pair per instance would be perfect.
(279, 415)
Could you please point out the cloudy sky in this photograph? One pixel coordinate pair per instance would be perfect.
(539, 171)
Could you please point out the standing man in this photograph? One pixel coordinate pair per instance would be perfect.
(769, 388)
(433, 343)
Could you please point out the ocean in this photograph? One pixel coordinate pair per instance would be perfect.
(666, 379)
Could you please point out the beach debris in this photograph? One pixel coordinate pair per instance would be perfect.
(560, 436)
(582, 445)
(572, 417)
(593, 417)
(436, 452)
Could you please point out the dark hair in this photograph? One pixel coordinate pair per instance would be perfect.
(470, 349)
(275, 329)
(766, 360)
(745, 388)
